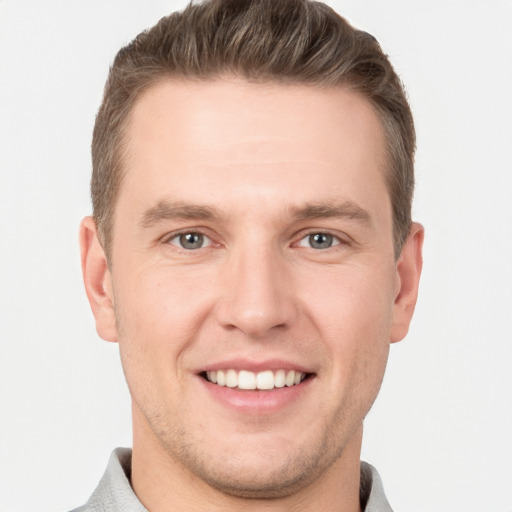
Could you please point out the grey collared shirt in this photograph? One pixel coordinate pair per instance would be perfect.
(114, 492)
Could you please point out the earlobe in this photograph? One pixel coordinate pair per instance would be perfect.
(97, 280)
(408, 271)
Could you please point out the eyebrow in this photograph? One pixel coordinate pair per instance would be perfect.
(345, 209)
(165, 210)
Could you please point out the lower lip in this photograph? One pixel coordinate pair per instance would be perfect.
(256, 401)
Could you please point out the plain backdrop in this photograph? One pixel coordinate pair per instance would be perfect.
(441, 430)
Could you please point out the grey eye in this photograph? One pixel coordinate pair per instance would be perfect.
(319, 241)
(190, 241)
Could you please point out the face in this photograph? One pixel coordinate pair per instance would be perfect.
(253, 288)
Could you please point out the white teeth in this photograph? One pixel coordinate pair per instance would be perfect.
(221, 378)
(231, 379)
(265, 380)
(245, 379)
(290, 378)
(279, 379)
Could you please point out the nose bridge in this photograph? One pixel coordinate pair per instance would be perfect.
(256, 295)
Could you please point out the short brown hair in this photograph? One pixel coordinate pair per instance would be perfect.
(296, 41)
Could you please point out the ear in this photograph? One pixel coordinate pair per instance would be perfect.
(97, 280)
(408, 271)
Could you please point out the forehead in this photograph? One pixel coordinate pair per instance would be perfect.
(258, 139)
(246, 110)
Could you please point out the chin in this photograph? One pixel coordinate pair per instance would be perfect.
(264, 475)
(242, 481)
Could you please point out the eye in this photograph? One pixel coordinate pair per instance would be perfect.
(319, 241)
(190, 241)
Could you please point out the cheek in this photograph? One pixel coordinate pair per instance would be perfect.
(154, 315)
(159, 312)
(353, 312)
(161, 303)
(351, 302)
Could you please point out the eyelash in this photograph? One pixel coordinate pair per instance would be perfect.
(335, 239)
(176, 236)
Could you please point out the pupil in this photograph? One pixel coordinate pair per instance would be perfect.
(191, 240)
(320, 241)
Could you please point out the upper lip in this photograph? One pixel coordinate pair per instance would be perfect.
(254, 366)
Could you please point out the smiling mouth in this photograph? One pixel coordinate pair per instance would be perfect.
(247, 380)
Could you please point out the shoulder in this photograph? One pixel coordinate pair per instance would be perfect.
(372, 494)
(114, 492)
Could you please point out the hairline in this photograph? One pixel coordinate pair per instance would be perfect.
(121, 141)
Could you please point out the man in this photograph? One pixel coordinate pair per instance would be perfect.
(252, 252)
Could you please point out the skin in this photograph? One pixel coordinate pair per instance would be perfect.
(255, 169)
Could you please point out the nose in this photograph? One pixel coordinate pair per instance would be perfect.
(257, 294)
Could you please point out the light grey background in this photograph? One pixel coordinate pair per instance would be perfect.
(441, 431)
